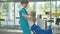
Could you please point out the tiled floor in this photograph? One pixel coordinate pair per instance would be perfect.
(17, 31)
(11, 31)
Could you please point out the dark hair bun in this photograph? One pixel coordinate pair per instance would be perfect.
(24, 1)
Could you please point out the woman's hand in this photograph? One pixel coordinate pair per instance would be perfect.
(23, 14)
(29, 17)
(26, 16)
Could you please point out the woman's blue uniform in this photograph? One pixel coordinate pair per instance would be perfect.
(24, 22)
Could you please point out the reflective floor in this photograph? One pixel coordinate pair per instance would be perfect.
(19, 31)
(11, 31)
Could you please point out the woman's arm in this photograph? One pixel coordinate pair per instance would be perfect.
(26, 16)
(29, 17)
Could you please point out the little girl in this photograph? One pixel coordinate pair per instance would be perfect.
(31, 18)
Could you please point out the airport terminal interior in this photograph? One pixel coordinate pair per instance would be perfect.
(47, 13)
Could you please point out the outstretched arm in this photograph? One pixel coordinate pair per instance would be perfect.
(29, 17)
(26, 16)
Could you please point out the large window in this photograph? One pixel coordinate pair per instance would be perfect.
(58, 9)
(9, 11)
(6, 13)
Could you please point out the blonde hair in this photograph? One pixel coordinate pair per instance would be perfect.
(33, 13)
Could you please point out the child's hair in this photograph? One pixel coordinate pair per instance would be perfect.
(33, 13)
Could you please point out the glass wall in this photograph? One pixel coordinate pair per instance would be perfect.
(58, 9)
(6, 14)
(9, 11)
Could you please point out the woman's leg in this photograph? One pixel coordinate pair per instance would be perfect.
(25, 28)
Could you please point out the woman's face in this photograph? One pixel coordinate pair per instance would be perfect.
(25, 4)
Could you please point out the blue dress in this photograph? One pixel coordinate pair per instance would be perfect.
(24, 22)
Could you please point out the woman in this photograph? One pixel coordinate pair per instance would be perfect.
(23, 21)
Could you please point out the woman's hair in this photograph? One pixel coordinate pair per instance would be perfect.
(24, 1)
